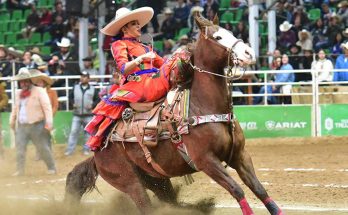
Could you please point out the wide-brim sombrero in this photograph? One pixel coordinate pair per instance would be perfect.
(37, 75)
(123, 16)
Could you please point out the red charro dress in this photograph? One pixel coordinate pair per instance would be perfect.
(145, 83)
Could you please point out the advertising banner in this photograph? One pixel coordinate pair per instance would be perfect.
(274, 121)
(334, 119)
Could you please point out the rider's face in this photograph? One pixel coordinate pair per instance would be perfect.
(132, 29)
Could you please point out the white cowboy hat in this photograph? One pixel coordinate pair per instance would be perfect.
(123, 16)
(345, 32)
(23, 74)
(285, 26)
(65, 42)
(168, 11)
(345, 45)
(342, 4)
(37, 75)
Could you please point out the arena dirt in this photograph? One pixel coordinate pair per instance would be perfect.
(299, 173)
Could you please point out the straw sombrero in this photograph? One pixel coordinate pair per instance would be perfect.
(124, 16)
(37, 75)
(23, 74)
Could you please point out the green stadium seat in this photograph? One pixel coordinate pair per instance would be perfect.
(26, 14)
(2, 39)
(238, 17)
(17, 15)
(314, 14)
(225, 5)
(3, 26)
(158, 45)
(22, 42)
(15, 26)
(5, 17)
(263, 28)
(226, 17)
(11, 39)
(182, 32)
(35, 38)
(46, 50)
(46, 37)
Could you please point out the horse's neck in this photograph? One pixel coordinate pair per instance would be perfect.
(209, 93)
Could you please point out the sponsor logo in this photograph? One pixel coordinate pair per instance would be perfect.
(273, 125)
(329, 124)
(342, 124)
(248, 125)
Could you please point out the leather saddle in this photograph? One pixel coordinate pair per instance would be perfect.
(145, 122)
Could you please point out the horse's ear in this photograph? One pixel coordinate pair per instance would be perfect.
(216, 20)
(198, 18)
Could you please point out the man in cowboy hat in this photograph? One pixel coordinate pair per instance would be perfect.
(287, 36)
(31, 119)
(169, 25)
(343, 12)
(67, 56)
(342, 63)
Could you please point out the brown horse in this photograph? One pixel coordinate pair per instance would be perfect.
(124, 165)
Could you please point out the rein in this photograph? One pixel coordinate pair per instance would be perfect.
(229, 66)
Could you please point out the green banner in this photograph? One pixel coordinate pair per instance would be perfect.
(334, 119)
(274, 121)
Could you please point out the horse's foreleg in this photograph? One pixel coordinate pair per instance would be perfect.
(244, 166)
(213, 168)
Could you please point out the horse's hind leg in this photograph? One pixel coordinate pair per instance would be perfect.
(115, 168)
(80, 180)
(213, 168)
(162, 187)
(244, 166)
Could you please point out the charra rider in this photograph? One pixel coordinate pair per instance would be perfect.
(145, 74)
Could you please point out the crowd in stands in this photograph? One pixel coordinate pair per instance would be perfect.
(306, 30)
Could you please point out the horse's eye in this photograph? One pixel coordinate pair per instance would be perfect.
(218, 38)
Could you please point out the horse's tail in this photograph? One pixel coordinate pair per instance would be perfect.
(80, 180)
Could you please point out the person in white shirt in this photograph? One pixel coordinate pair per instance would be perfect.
(322, 67)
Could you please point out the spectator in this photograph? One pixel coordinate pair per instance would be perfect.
(45, 21)
(18, 4)
(31, 119)
(294, 58)
(241, 32)
(345, 35)
(333, 29)
(57, 30)
(305, 40)
(13, 57)
(26, 60)
(84, 98)
(319, 32)
(191, 22)
(306, 61)
(3, 57)
(33, 21)
(3, 105)
(68, 58)
(326, 13)
(322, 67)
(88, 66)
(281, 14)
(39, 64)
(59, 11)
(337, 48)
(343, 12)
(167, 48)
(287, 36)
(169, 25)
(211, 8)
(181, 13)
(342, 63)
(276, 53)
(301, 16)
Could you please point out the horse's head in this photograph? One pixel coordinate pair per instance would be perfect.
(240, 53)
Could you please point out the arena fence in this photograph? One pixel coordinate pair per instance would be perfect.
(318, 108)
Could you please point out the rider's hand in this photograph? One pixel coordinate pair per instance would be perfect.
(147, 56)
